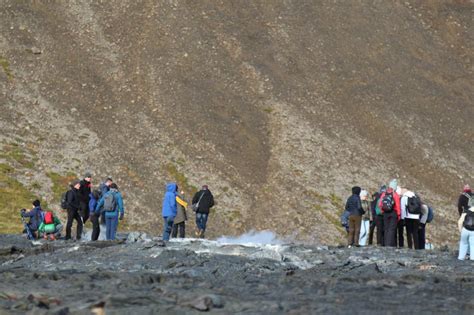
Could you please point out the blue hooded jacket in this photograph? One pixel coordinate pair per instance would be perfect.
(92, 204)
(169, 201)
(118, 207)
(36, 217)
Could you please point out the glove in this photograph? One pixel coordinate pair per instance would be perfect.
(121, 216)
(22, 212)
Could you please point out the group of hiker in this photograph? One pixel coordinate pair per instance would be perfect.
(392, 210)
(105, 206)
(175, 215)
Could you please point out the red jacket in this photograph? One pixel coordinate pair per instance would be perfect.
(396, 198)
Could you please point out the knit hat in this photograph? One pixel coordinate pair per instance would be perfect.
(383, 189)
(87, 175)
(75, 182)
(36, 203)
(114, 186)
(393, 184)
(205, 187)
(364, 193)
(467, 188)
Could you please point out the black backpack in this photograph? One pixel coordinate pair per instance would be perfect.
(468, 223)
(388, 203)
(414, 205)
(64, 203)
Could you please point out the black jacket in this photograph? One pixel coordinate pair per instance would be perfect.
(463, 202)
(84, 191)
(207, 201)
(354, 205)
(72, 199)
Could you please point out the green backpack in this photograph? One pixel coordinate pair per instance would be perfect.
(49, 228)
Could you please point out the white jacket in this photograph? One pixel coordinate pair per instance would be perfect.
(403, 201)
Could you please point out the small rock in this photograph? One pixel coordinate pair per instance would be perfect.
(36, 51)
(207, 302)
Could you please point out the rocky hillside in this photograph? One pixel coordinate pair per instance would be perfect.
(279, 107)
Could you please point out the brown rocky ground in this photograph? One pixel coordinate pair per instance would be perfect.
(280, 107)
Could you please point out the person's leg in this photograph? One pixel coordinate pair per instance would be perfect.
(471, 243)
(114, 226)
(167, 228)
(182, 229)
(108, 228)
(78, 218)
(174, 231)
(409, 228)
(70, 217)
(95, 227)
(84, 211)
(371, 232)
(399, 232)
(58, 230)
(421, 236)
(350, 236)
(390, 229)
(379, 224)
(386, 221)
(358, 222)
(463, 244)
(205, 216)
(416, 240)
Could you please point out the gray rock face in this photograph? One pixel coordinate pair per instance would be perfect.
(190, 276)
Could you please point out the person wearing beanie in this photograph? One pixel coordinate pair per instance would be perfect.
(112, 204)
(83, 194)
(35, 215)
(354, 207)
(463, 201)
(73, 207)
(389, 204)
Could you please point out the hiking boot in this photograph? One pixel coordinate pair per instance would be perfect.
(198, 233)
(201, 234)
(45, 236)
(52, 237)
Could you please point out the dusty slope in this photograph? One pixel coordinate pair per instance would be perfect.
(280, 107)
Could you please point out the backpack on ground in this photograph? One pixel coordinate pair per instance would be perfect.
(64, 203)
(468, 223)
(388, 203)
(110, 203)
(48, 218)
(430, 215)
(49, 228)
(414, 205)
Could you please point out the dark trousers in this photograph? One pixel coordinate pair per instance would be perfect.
(95, 226)
(412, 233)
(399, 232)
(390, 221)
(421, 236)
(73, 214)
(371, 232)
(354, 230)
(182, 229)
(380, 230)
(84, 212)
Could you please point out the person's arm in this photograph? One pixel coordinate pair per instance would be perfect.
(211, 204)
(403, 206)
(397, 206)
(120, 204)
(29, 214)
(181, 201)
(461, 221)
(461, 203)
(196, 197)
(99, 204)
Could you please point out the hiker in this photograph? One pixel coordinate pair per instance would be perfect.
(354, 207)
(51, 226)
(169, 209)
(203, 200)
(179, 222)
(400, 224)
(463, 201)
(378, 215)
(389, 203)
(410, 205)
(35, 215)
(366, 219)
(466, 227)
(94, 214)
(422, 226)
(104, 187)
(73, 207)
(112, 204)
(83, 193)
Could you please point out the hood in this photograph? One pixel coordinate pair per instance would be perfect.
(393, 184)
(409, 194)
(356, 190)
(171, 187)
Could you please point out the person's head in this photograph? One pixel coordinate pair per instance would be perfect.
(76, 184)
(364, 194)
(393, 184)
(356, 190)
(114, 186)
(383, 189)
(36, 203)
(205, 187)
(87, 176)
(467, 188)
(108, 181)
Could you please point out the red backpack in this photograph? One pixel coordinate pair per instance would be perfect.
(48, 217)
